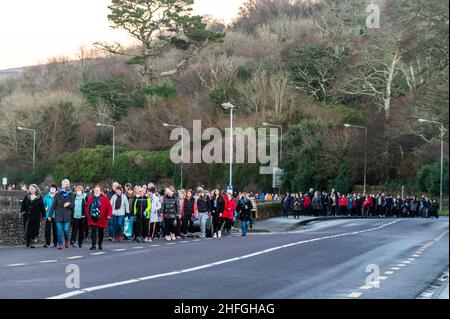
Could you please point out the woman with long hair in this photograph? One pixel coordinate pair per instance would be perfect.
(33, 209)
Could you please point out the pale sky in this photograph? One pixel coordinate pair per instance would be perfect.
(31, 31)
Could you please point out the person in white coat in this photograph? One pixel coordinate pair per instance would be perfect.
(154, 212)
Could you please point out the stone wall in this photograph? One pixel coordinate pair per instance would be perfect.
(11, 225)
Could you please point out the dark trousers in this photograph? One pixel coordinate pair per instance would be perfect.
(187, 225)
(97, 231)
(169, 227)
(178, 227)
(226, 224)
(216, 222)
(50, 227)
(141, 225)
(158, 229)
(77, 231)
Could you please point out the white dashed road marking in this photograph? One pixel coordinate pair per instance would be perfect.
(121, 283)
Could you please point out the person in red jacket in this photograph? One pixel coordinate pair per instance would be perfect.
(307, 204)
(228, 212)
(343, 203)
(98, 212)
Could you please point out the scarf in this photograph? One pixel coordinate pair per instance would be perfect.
(95, 208)
(118, 203)
(65, 193)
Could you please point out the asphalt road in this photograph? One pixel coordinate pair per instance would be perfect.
(324, 260)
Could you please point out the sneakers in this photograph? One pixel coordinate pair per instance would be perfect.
(59, 246)
(168, 238)
(46, 246)
(215, 235)
(172, 237)
(67, 244)
(93, 248)
(74, 245)
(219, 234)
(146, 239)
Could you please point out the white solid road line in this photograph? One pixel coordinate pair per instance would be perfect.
(74, 257)
(355, 295)
(131, 281)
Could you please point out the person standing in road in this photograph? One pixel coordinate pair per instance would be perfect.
(63, 206)
(188, 210)
(141, 212)
(228, 212)
(252, 198)
(50, 224)
(217, 207)
(78, 218)
(33, 207)
(98, 212)
(154, 211)
(170, 209)
(204, 211)
(121, 208)
(244, 209)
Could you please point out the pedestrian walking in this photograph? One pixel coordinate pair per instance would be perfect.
(34, 209)
(98, 212)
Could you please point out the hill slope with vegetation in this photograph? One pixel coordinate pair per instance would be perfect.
(311, 66)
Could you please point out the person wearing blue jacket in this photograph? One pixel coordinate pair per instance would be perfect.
(50, 224)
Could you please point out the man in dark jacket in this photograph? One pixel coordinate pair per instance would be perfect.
(63, 206)
(287, 204)
(244, 209)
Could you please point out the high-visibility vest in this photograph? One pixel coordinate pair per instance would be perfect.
(149, 206)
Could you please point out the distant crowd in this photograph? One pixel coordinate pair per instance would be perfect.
(363, 205)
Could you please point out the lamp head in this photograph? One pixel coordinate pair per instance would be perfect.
(20, 128)
(347, 125)
(99, 124)
(422, 120)
(228, 106)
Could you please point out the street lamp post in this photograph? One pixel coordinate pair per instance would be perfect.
(114, 139)
(34, 143)
(281, 137)
(442, 156)
(231, 107)
(182, 151)
(365, 152)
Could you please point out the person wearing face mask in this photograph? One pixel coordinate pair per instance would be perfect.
(63, 206)
(50, 224)
(32, 206)
(78, 217)
(98, 213)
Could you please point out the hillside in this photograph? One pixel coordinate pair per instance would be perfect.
(311, 67)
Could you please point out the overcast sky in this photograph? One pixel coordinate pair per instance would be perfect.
(31, 31)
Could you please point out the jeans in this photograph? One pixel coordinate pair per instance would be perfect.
(245, 225)
(203, 217)
(111, 228)
(117, 225)
(60, 228)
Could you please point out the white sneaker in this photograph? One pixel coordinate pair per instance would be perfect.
(215, 235)
(173, 237)
(168, 237)
(219, 234)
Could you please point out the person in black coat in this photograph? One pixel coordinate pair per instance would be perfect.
(33, 210)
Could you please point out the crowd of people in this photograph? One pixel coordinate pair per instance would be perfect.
(140, 213)
(363, 205)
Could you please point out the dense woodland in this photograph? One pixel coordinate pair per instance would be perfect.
(312, 66)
